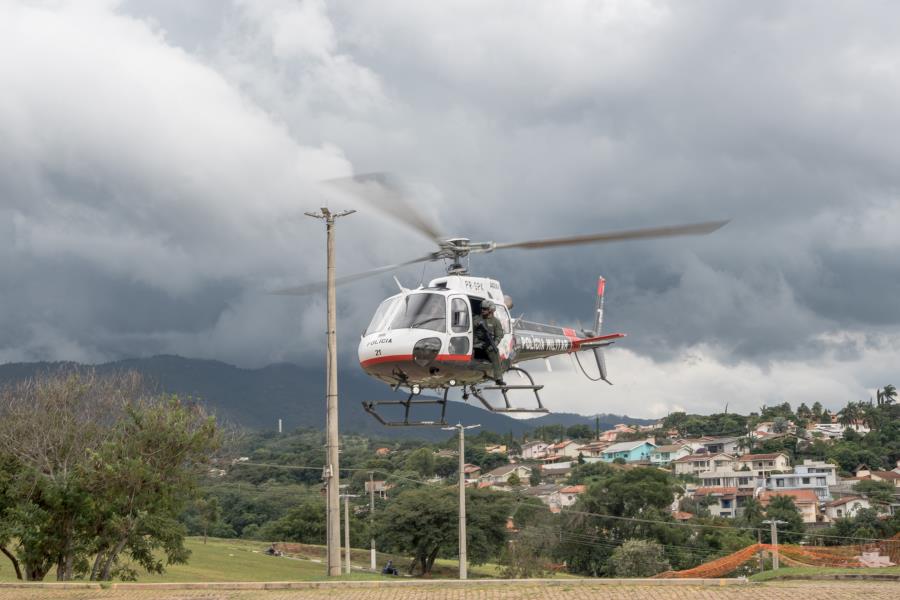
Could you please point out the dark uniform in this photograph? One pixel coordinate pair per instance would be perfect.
(494, 329)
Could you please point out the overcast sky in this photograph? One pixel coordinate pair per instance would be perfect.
(156, 159)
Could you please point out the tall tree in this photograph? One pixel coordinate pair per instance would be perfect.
(105, 468)
(423, 522)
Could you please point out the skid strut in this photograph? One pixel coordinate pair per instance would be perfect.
(371, 408)
(504, 389)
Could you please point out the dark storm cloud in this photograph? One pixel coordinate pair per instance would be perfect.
(156, 159)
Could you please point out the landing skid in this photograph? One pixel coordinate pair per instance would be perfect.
(371, 408)
(504, 390)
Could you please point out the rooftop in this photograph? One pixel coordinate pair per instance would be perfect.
(573, 489)
(626, 446)
(799, 496)
(752, 457)
(671, 447)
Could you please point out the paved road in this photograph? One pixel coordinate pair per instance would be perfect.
(788, 590)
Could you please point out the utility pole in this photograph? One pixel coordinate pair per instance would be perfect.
(463, 573)
(332, 467)
(346, 498)
(774, 523)
(372, 564)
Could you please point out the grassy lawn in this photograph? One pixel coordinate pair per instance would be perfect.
(812, 571)
(243, 560)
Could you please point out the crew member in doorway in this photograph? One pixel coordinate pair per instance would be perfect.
(488, 333)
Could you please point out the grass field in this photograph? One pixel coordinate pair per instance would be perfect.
(788, 572)
(243, 560)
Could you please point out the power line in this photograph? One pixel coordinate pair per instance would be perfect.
(614, 517)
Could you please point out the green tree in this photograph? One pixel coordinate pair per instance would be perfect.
(886, 395)
(514, 480)
(879, 491)
(579, 432)
(421, 461)
(535, 477)
(783, 508)
(209, 512)
(423, 523)
(643, 493)
(106, 469)
(638, 558)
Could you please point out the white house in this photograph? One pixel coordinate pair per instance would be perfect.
(501, 474)
(569, 494)
(566, 448)
(535, 450)
(847, 506)
(763, 464)
(729, 478)
(816, 467)
(694, 464)
(663, 455)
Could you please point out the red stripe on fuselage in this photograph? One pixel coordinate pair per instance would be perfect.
(408, 357)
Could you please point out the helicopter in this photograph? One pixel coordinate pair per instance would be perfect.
(424, 338)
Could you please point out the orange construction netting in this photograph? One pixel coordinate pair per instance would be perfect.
(794, 555)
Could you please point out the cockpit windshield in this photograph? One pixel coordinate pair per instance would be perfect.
(381, 319)
(421, 311)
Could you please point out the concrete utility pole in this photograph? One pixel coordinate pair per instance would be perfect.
(774, 523)
(346, 498)
(372, 564)
(332, 467)
(463, 572)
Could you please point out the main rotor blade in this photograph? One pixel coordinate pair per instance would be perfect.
(312, 288)
(618, 236)
(388, 194)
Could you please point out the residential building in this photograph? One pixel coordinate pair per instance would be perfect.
(535, 450)
(817, 467)
(701, 462)
(593, 449)
(501, 474)
(495, 449)
(806, 500)
(556, 471)
(613, 434)
(892, 476)
(665, 454)
(847, 506)
(548, 493)
(628, 451)
(730, 478)
(382, 451)
(565, 448)
(727, 501)
(816, 483)
(471, 472)
(569, 494)
(728, 445)
(763, 464)
(381, 488)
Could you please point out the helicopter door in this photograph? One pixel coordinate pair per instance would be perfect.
(460, 326)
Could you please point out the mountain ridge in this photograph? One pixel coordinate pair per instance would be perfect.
(257, 398)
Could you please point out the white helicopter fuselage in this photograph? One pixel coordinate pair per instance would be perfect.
(424, 337)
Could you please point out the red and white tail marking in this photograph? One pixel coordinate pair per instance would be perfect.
(598, 317)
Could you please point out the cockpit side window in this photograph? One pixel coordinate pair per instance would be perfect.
(459, 316)
(380, 320)
(421, 311)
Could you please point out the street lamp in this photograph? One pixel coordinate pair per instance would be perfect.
(462, 494)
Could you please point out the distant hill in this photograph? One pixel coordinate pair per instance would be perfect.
(257, 398)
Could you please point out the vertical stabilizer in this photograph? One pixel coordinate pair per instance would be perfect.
(598, 309)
